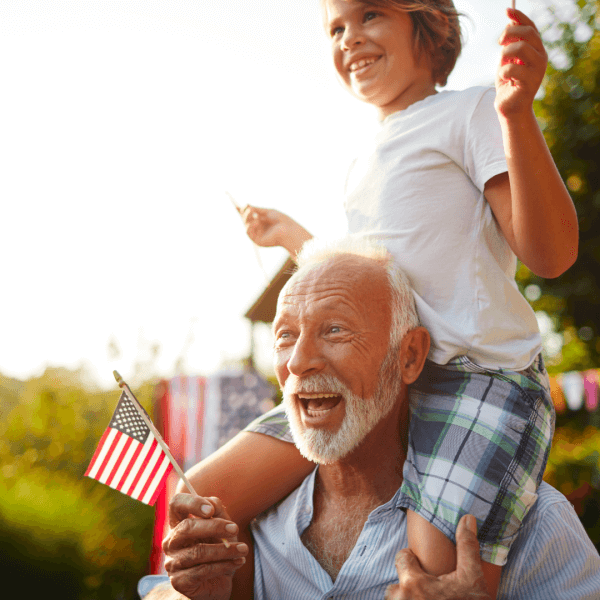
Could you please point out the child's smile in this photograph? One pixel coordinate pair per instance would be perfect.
(373, 55)
(360, 64)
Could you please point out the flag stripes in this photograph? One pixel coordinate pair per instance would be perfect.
(129, 458)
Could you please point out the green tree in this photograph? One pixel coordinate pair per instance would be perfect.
(569, 114)
(62, 534)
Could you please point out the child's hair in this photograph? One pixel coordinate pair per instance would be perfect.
(436, 31)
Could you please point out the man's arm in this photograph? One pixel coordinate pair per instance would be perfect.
(466, 583)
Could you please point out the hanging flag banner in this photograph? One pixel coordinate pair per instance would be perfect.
(197, 416)
(591, 380)
(558, 398)
(572, 387)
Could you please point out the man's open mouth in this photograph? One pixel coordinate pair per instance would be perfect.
(318, 403)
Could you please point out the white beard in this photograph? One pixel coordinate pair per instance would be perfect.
(361, 415)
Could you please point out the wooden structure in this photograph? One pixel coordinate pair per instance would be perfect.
(264, 307)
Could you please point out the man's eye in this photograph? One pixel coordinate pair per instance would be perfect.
(369, 16)
(335, 329)
(284, 338)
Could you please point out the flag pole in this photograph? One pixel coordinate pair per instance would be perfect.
(159, 439)
(153, 429)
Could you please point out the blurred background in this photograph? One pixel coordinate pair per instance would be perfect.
(122, 125)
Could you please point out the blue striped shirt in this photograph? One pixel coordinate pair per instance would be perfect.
(551, 559)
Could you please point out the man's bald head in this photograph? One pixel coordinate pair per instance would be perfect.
(403, 310)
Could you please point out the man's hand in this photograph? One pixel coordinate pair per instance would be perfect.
(522, 66)
(466, 583)
(197, 561)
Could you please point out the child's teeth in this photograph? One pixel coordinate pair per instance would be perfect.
(362, 63)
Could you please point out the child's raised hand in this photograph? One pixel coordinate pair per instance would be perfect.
(269, 227)
(522, 65)
(265, 226)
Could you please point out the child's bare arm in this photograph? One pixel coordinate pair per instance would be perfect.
(269, 227)
(532, 205)
(249, 474)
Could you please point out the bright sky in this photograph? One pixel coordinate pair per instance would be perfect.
(122, 123)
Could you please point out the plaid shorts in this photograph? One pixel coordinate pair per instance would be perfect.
(478, 444)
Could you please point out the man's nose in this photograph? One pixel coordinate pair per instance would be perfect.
(306, 358)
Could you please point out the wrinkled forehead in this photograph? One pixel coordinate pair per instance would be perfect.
(348, 281)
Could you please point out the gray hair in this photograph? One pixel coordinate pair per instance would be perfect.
(404, 311)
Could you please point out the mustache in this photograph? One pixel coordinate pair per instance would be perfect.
(319, 382)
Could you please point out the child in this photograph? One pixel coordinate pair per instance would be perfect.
(456, 185)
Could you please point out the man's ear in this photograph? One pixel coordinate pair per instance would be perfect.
(413, 352)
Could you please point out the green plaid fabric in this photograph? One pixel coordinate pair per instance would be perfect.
(478, 443)
(273, 423)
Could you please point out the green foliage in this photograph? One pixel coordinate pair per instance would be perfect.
(70, 536)
(569, 114)
(574, 469)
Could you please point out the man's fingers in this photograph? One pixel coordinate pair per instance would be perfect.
(220, 511)
(407, 562)
(214, 578)
(197, 554)
(184, 505)
(467, 545)
(412, 580)
(210, 570)
(193, 531)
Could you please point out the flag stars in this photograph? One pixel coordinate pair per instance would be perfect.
(127, 420)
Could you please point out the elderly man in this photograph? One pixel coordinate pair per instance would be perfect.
(347, 346)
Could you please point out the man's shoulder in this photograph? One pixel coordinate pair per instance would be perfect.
(550, 505)
(549, 497)
(552, 554)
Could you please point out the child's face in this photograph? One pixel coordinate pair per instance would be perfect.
(373, 55)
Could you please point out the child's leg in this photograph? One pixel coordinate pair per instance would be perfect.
(249, 474)
(478, 444)
(437, 554)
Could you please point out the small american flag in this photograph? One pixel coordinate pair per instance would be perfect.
(128, 457)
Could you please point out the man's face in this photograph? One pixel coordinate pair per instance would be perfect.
(331, 339)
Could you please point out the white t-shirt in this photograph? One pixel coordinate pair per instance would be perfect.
(418, 188)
